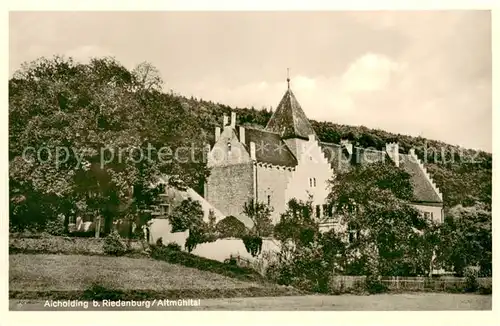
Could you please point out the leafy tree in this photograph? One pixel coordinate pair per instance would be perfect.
(260, 214)
(297, 224)
(307, 257)
(77, 131)
(188, 215)
(384, 228)
(467, 239)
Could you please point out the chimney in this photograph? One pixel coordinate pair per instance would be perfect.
(252, 150)
(242, 134)
(392, 150)
(217, 133)
(226, 121)
(233, 119)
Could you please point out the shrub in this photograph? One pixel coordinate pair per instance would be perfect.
(55, 226)
(253, 244)
(113, 245)
(201, 263)
(159, 242)
(373, 285)
(471, 283)
(230, 227)
(174, 246)
(485, 289)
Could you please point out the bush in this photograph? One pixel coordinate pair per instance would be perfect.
(201, 263)
(471, 283)
(230, 227)
(113, 245)
(485, 289)
(373, 285)
(231, 261)
(55, 226)
(159, 242)
(174, 246)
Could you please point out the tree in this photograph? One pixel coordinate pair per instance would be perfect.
(147, 77)
(467, 239)
(307, 257)
(83, 133)
(188, 215)
(260, 214)
(385, 230)
(297, 224)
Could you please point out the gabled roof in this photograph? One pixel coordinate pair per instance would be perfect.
(289, 120)
(422, 189)
(423, 192)
(269, 147)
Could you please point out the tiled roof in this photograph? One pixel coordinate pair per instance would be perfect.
(289, 120)
(333, 153)
(423, 192)
(422, 189)
(269, 147)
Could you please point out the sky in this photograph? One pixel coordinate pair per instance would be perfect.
(424, 73)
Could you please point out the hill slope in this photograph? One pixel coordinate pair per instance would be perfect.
(463, 175)
(84, 277)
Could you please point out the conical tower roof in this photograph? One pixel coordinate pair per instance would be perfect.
(289, 120)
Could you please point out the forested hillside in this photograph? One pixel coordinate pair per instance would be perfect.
(65, 118)
(463, 175)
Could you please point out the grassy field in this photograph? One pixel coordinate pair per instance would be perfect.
(68, 276)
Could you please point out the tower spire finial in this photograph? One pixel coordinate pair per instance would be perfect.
(288, 77)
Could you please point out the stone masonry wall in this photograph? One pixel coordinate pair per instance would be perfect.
(229, 187)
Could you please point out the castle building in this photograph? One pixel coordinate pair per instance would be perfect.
(286, 160)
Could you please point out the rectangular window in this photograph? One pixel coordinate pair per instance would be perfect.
(268, 200)
(318, 211)
(314, 182)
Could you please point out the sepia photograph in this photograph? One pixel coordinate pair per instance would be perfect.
(250, 160)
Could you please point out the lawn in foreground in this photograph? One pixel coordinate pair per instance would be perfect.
(74, 272)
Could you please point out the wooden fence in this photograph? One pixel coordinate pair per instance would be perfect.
(353, 283)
